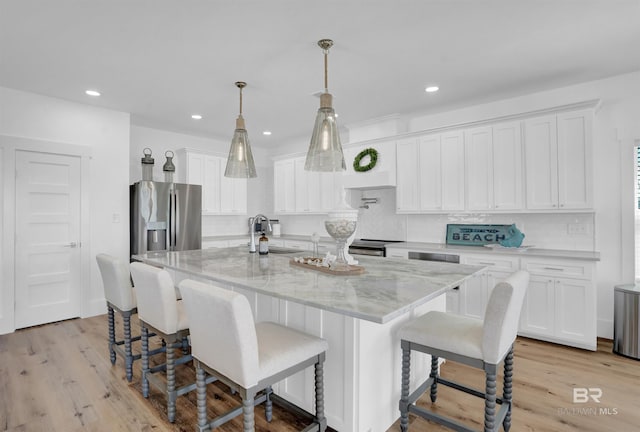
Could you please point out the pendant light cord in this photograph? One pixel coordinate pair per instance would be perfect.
(240, 101)
(326, 71)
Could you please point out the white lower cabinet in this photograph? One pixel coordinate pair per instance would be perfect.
(560, 305)
(474, 293)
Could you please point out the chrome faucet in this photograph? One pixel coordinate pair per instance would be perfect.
(252, 225)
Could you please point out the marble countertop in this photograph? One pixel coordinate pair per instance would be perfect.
(524, 252)
(389, 287)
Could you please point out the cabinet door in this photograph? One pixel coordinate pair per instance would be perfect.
(507, 166)
(575, 309)
(473, 296)
(195, 168)
(284, 186)
(478, 146)
(211, 185)
(430, 173)
(308, 198)
(575, 161)
(541, 155)
(330, 190)
(233, 195)
(538, 311)
(452, 170)
(407, 176)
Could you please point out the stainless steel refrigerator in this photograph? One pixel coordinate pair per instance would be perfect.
(165, 216)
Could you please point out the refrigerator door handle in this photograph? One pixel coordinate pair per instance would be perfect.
(173, 224)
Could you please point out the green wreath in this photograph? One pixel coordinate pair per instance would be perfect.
(373, 158)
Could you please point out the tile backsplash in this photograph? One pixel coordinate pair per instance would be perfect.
(571, 231)
(568, 231)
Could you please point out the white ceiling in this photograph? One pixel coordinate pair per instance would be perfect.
(162, 60)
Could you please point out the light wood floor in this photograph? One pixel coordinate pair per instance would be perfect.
(58, 377)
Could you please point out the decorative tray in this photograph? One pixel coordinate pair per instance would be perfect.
(353, 269)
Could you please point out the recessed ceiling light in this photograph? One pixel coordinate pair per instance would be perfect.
(92, 92)
(266, 133)
(196, 116)
(432, 89)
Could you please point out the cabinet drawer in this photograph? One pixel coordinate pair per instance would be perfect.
(502, 263)
(559, 268)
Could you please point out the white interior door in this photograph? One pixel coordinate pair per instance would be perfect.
(47, 243)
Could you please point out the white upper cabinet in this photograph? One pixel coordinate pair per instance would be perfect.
(452, 170)
(407, 194)
(575, 160)
(220, 195)
(233, 194)
(284, 186)
(559, 161)
(493, 161)
(297, 191)
(430, 173)
(307, 189)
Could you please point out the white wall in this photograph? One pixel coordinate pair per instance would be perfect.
(616, 128)
(106, 134)
(260, 189)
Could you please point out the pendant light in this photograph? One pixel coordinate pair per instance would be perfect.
(325, 150)
(240, 161)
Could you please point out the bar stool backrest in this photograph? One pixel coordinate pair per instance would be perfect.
(502, 316)
(156, 297)
(223, 333)
(117, 282)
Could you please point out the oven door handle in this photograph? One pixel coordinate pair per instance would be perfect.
(362, 251)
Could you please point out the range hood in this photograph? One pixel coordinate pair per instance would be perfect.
(381, 176)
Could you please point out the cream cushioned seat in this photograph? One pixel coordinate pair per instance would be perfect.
(447, 332)
(249, 357)
(482, 344)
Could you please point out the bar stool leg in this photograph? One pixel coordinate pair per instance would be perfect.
(434, 375)
(319, 375)
(508, 388)
(128, 355)
(268, 405)
(201, 393)
(404, 396)
(171, 382)
(112, 334)
(490, 401)
(247, 414)
(144, 339)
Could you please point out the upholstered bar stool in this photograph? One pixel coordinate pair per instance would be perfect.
(249, 357)
(120, 297)
(481, 344)
(161, 312)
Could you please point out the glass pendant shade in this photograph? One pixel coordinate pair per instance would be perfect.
(240, 161)
(325, 149)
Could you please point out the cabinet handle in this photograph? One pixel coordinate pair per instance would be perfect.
(554, 268)
(486, 263)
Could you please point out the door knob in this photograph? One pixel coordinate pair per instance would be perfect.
(71, 245)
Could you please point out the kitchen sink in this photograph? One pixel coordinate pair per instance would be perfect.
(284, 250)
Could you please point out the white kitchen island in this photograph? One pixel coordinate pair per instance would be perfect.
(358, 315)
